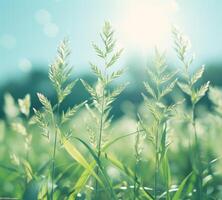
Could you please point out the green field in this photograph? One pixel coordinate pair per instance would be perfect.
(162, 149)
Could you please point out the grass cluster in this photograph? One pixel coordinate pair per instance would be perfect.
(165, 150)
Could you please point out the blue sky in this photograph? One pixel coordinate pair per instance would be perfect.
(31, 30)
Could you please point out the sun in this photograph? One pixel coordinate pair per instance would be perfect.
(146, 24)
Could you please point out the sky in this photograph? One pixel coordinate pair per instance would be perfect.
(30, 31)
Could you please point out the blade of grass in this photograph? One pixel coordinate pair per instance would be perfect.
(97, 159)
(76, 155)
(81, 182)
(127, 171)
(177, 195)
(86, 173)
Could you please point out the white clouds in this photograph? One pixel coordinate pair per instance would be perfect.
(43, 17)
(25, 64)
(8, 41)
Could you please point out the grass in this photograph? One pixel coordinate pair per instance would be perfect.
(167, 151)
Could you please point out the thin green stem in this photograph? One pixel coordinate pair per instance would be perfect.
(166, 165)
(167, 180)
(196, 150)
(107, 145)
(54, 152)
(135, 182)
(100, 138)
(157, 148)
(156, 162)
(53, 163)
(101, 125)
(197, 156)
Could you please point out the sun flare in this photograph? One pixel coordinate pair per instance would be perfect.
(147, 24)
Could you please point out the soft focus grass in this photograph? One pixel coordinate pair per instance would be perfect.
(161, 150)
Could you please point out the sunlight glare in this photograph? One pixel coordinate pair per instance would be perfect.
(146, 24)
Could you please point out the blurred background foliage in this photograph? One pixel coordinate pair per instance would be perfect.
(30, 32)
(37, 81)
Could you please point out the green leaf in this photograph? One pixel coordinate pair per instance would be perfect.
(178, 194)
(98, 161)
(81, 182)
(77, 156)
(108, 144)
(127, 171)
(10, 168)
(43, 193)
(28, 170)
(167, 175)
(163, 143)
(86, 174)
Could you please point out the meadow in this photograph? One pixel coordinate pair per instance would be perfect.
(168, 148)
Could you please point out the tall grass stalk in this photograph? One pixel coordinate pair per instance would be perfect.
(59, 74)
(53, 162)
(138, 156)
(101, 93)
(156, 177)
(101, 124)
(161, 83)
(99, 142)
(188, 86)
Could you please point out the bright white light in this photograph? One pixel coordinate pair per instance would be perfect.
(147, 24)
